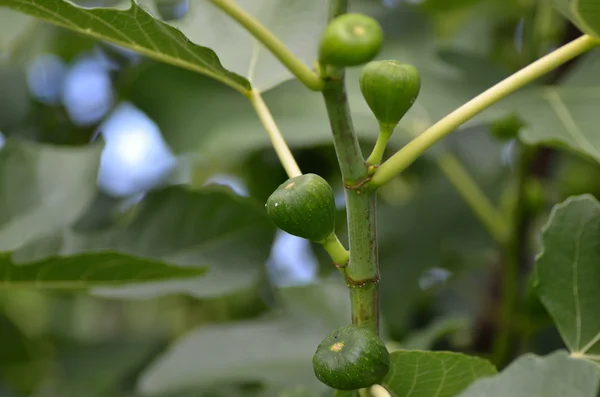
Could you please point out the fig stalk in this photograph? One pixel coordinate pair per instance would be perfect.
(336, 251)
(382, 140)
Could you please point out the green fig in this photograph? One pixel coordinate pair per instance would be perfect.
(305, 207)
(390, 89)
(507, 128)
(350, 40)
(535, 195)
(351, 358)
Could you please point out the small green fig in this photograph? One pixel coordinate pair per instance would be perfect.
(304, 206)
(350, 40)
(390, 88)
(507, 128)
(535, 195)
(351, 358)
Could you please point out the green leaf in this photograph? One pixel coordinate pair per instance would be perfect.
(274, 350)
(298, 24)
(261, 350)
(556, 375)
(210, 227)
(583, 13)
(191, 230)
(44, 188)
(563, 116)
(197, 114)
(568, 271)
(326, 302)
(416, 373)
(103, 365)
(133, 28)
(86, 271)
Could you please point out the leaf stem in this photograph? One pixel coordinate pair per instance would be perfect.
(336, 251)
(474, 196)
(281, 148)
(362, 272)
(379, 149)
(272, 43)
(409, 153)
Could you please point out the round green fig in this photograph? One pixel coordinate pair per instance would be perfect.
(304, 206)
(535, 195)
(351, 358)
(350, 40)
(390, 88)
(507, 128)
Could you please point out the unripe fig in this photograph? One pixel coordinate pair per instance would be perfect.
(390, 88)
(535, 195)
(304, 206)
(351, 358)
(350, 40)
(507, 128)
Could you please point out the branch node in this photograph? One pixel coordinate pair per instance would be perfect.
(341, 266)
(357, 186)
(362, 282)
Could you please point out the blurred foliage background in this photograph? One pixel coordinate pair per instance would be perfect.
(250, 329)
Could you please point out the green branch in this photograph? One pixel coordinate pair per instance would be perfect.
(273, 44)
(409, 153)
(350, 158)
(362, 272)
